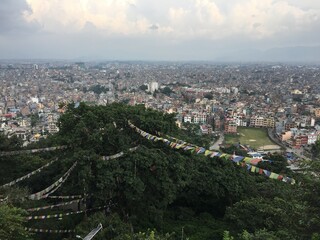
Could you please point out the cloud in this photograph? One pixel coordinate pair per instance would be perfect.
(113, 17)
(179, 19)
(12, 17)
(273, 16)
(154, 27)
(183, 28)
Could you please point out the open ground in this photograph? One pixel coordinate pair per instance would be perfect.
(256, 138)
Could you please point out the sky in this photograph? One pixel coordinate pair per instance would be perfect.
(158, 30)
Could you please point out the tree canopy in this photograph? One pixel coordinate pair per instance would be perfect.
(154, 192)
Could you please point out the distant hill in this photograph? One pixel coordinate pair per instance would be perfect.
(285, 54)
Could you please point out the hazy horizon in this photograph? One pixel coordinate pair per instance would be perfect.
(181, 30)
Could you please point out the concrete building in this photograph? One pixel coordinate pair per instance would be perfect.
(153, 86)
(230, 126)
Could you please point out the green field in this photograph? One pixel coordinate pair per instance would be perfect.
(255, 137)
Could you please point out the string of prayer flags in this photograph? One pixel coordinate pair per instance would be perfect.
(53, 206)
(48, 149)
(28, 175)
(269, 174)
(40, 230)
(118, 155)
(61, 215)
(65, 197)
(211, 154)
(52, 188)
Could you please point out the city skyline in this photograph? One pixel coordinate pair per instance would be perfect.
(239, 30)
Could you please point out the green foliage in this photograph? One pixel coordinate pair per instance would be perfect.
(279, 164)
(226, 236)
(12, 223)
(275, 215)
(166, 90)
(34, 119)
(157, 187)
(143, 87)
(9, 144)
(315, 150)
(97, 89)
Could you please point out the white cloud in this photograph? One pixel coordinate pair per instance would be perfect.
(267, 18)
(175, 19)
(72, 15)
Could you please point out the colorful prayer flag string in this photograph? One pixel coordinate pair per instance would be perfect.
(40, 230)
(200, 150)
(53, 206)
(28, 175)
(48, 149)
(65, 197)
(52, 188)
(60, 215)
(118, 155)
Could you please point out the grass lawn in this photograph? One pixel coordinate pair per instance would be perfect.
(255, 137)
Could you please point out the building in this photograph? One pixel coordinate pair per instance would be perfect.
(285, 136)
(153, 86)
(259, 121)
(206, 129)
(230, 126)
(299, 141)
(52, 123)
(187, 118)
(289, 125)
(312, 138)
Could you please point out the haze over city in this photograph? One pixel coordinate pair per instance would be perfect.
(233, 30)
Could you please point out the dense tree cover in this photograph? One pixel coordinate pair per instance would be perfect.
(11, 223)
(155, 192)
(97, 89)
(7, 144)
(166, 90)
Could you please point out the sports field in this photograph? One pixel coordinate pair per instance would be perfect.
(256, 138)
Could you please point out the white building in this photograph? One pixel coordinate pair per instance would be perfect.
(312, 138)
(187, 118)
(153, 86)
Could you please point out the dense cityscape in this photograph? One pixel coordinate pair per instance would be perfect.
(159, 120)
(218, 98)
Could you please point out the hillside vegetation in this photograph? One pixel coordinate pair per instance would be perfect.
(152, 192)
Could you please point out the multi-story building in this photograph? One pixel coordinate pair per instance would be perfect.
(259, 121)
(317, 112)
(289, 125)
(52, 123)
(153, 86)
(230, 126)
(299, 141)
(206, 129)
(187, 118)
(312, 138)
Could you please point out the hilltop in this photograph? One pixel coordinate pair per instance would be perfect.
(132, 183)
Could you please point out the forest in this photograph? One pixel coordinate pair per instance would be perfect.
(135, 172)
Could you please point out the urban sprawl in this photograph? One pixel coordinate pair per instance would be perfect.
(217, 98)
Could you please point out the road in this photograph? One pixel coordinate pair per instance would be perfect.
(216, 146)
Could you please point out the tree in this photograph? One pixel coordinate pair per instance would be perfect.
(143, 87)
(166, 90)
(315, 150)
(11, 223)
(208, 96)
(34, 119)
